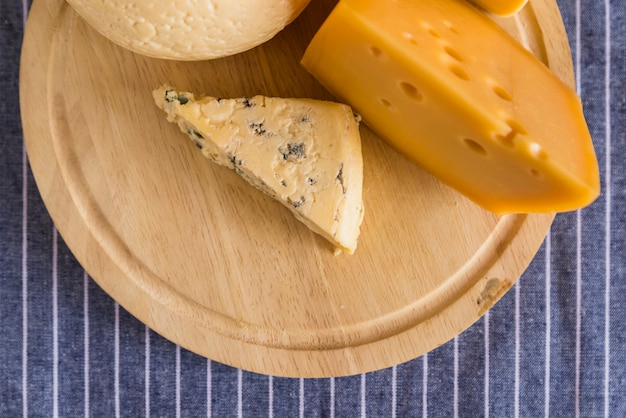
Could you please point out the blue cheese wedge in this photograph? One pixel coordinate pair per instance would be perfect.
(304, 153)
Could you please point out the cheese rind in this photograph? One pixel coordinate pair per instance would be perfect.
(188, 29)
(452, 91)
(502, 7)
(304, 153)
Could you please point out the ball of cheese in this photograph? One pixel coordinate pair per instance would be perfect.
(189, 29)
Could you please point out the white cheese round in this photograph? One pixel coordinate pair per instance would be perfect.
(189, 29)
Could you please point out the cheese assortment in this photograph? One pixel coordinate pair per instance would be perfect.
(502, 7)
(304, 153)
(438, 80)
(456, 94)
(188, 30)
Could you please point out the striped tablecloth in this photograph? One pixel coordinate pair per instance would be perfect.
(555, 345)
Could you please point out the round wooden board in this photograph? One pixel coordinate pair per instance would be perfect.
(212, 264)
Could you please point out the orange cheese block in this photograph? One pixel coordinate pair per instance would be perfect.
(502, 7)
(456, 94)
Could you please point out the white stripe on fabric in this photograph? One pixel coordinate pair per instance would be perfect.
(332, 397)
(301, 398)
(86, 361)
(487, 365)
(116, 359)
(516, 365)
(147, 372)
(55, 324)
(394, 391)
(239, 393)
(209, 389)
(363, 396)
(24, 258)
(25, 288)
(577, 46)
(577, 359)
(607, 191)
(177, 381)
(455, 384)
(270, 395)
(578, 238)
(425, 385)
(548, 296)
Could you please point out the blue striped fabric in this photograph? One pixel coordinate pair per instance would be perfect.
(554, 346)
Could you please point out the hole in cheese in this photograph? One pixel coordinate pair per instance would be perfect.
(375, 51)
(509, 138)
(453, 53)
(475, 146)
(534, 172)
(450, 26)
(516, 126)
(459, 71)
(409, 37)
(432, 31)
(387, 104)
(501, 92)
(538, 152)
(411, 91)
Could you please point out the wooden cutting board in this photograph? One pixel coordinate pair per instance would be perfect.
(210, 263)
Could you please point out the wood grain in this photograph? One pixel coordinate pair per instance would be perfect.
(215, 266)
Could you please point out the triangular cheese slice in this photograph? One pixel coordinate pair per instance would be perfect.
(304, 153)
